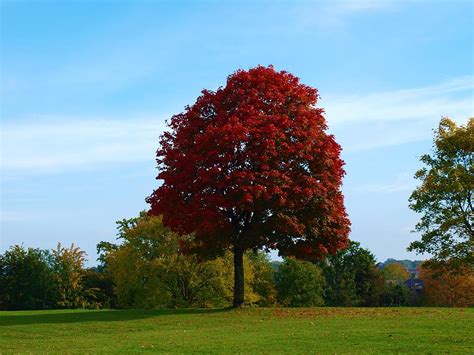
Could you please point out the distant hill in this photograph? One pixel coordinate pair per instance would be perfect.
(410, 265)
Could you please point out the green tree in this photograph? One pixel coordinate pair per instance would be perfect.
(444, 197)
(395, 292)
(395, 273)
(68, 267)
(352, 278)
(150, 271)
(263, 278)
(136, 282)
(26, 280)
(98, 288)
(195, 283)
(395, 295)
(299, 284)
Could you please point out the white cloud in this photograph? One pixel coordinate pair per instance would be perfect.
(453, 98)
(364, 136)
(333, 15)
(362, 122)
(403, 182)
(19, 217)
(48, 145)
(368, 121)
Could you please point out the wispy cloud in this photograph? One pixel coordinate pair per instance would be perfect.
(361, 137)
(54, 144)
(403, 182)
(454, 98)
(22, 217)
(369, 121)
(334, 15)
(363, 122)
(11, 216)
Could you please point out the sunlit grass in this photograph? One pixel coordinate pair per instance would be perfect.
(253, 330)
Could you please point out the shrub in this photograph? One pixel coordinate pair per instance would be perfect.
(26, 280)
(299, 284)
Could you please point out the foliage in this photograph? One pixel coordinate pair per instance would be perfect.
(263, 278)
(445, 287)
(370, 286)
(299, 284)
(68, 265)
(352, 278)
(395, 273)
(194, 283)
(149, 270)
(40, 279)
(396, 295)
(104, 249)
(411, 266)
(98, 288)
(135, 279)
(26, 280)
(445, 196)
(395, 292)
(251, 166)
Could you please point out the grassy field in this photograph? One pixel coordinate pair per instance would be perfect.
(270, 330)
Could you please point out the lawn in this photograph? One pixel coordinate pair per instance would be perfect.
(254, 330)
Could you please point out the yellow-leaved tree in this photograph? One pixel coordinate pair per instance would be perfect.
(445, 197)
(149, 270)
(68, 266)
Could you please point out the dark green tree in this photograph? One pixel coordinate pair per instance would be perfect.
(396, 295)
(26, 280)
(98, 288)
(299, 284)
(352, 278)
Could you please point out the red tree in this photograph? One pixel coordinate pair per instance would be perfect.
(250, 166)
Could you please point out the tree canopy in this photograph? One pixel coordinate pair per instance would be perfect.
(395, 273)
(352, 277)
(443, 287)
(444, 197)
(299, 284)
(250, 166)
(26, 280)
(149, 271)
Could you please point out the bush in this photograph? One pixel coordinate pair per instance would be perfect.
(98, 289)
(299, 284)
(396, 295)
(26, 280)
(352, 278)
(68, 267)
(149, 271)
(263, 278)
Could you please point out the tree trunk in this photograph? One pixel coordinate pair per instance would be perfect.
(238, 278)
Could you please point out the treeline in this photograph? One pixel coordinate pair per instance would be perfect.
(43, 279)
(147, 270)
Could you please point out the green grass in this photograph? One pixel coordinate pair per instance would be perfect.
(255, 330)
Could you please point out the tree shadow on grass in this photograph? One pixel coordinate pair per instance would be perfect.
(81, 316)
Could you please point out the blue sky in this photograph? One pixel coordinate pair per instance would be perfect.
(86, 87)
